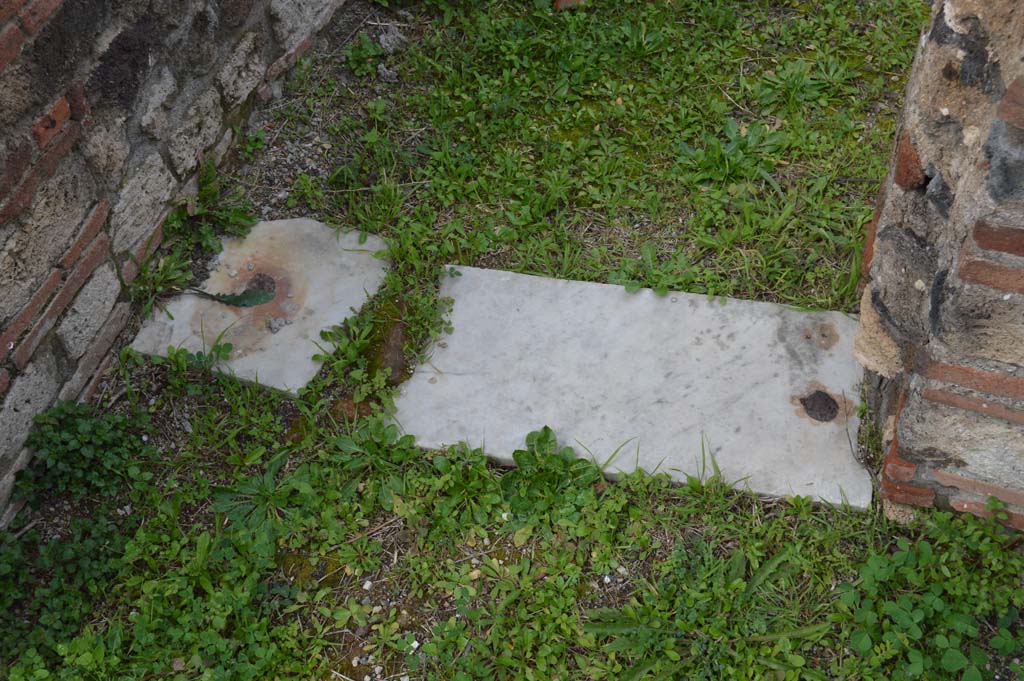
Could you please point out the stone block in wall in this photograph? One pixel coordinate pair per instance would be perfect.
(22, 322)
(30, 393)
(90, 362)
(292, 19)
(105, 146)
(1004, 150)
(52, 220)
(984, 323)
(873, 347)
(51, 60)
(88, 311)
(155, 102)
(141, 203)
(14, 78)
(38, 173)
(218, 153)
(94, 256)
(199, 128)
(196, 47)
(942, 437)
(242, 71)
(235, 13)
(121, 69)
(902, 276)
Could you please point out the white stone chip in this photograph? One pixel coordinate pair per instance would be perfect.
(674, 384)
(320, 277)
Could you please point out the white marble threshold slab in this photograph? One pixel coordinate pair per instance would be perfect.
(318, 276)
(769, 392)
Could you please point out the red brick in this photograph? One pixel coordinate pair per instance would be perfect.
(23, 319)
(151, 243)
(993, 275)
(49, 125)
(278, 68)
(1015, 520)
(302, 48)
(79, 104)
(145, 249)
(90, 388)
(94, 256)
(895, 467)
(908, 174)
(906, 494)
(15, 165)
(98, 351)
(8, 8)
(129, 270)
(91, 227)
(869, 242)
(288, 60)
(42, 171)
(1011, 107)
(999, 238)
(992, 409)
(985, 489)
(5, 381)
(37, 13)
(991, 382)
(11, 39)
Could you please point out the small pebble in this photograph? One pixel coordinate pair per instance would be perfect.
(607, 579)
(367, 585)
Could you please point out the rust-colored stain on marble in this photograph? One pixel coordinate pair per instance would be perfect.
(242, 264)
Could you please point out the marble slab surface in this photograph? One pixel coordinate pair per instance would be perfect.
(319, 276)
(669, 383)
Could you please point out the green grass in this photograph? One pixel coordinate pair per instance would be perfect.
(720, 147)
(728, 148)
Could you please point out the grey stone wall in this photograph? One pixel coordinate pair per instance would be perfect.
(107, 110)
(942, 317)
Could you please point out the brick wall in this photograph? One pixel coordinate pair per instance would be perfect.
(942, 323)
(107, 109)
